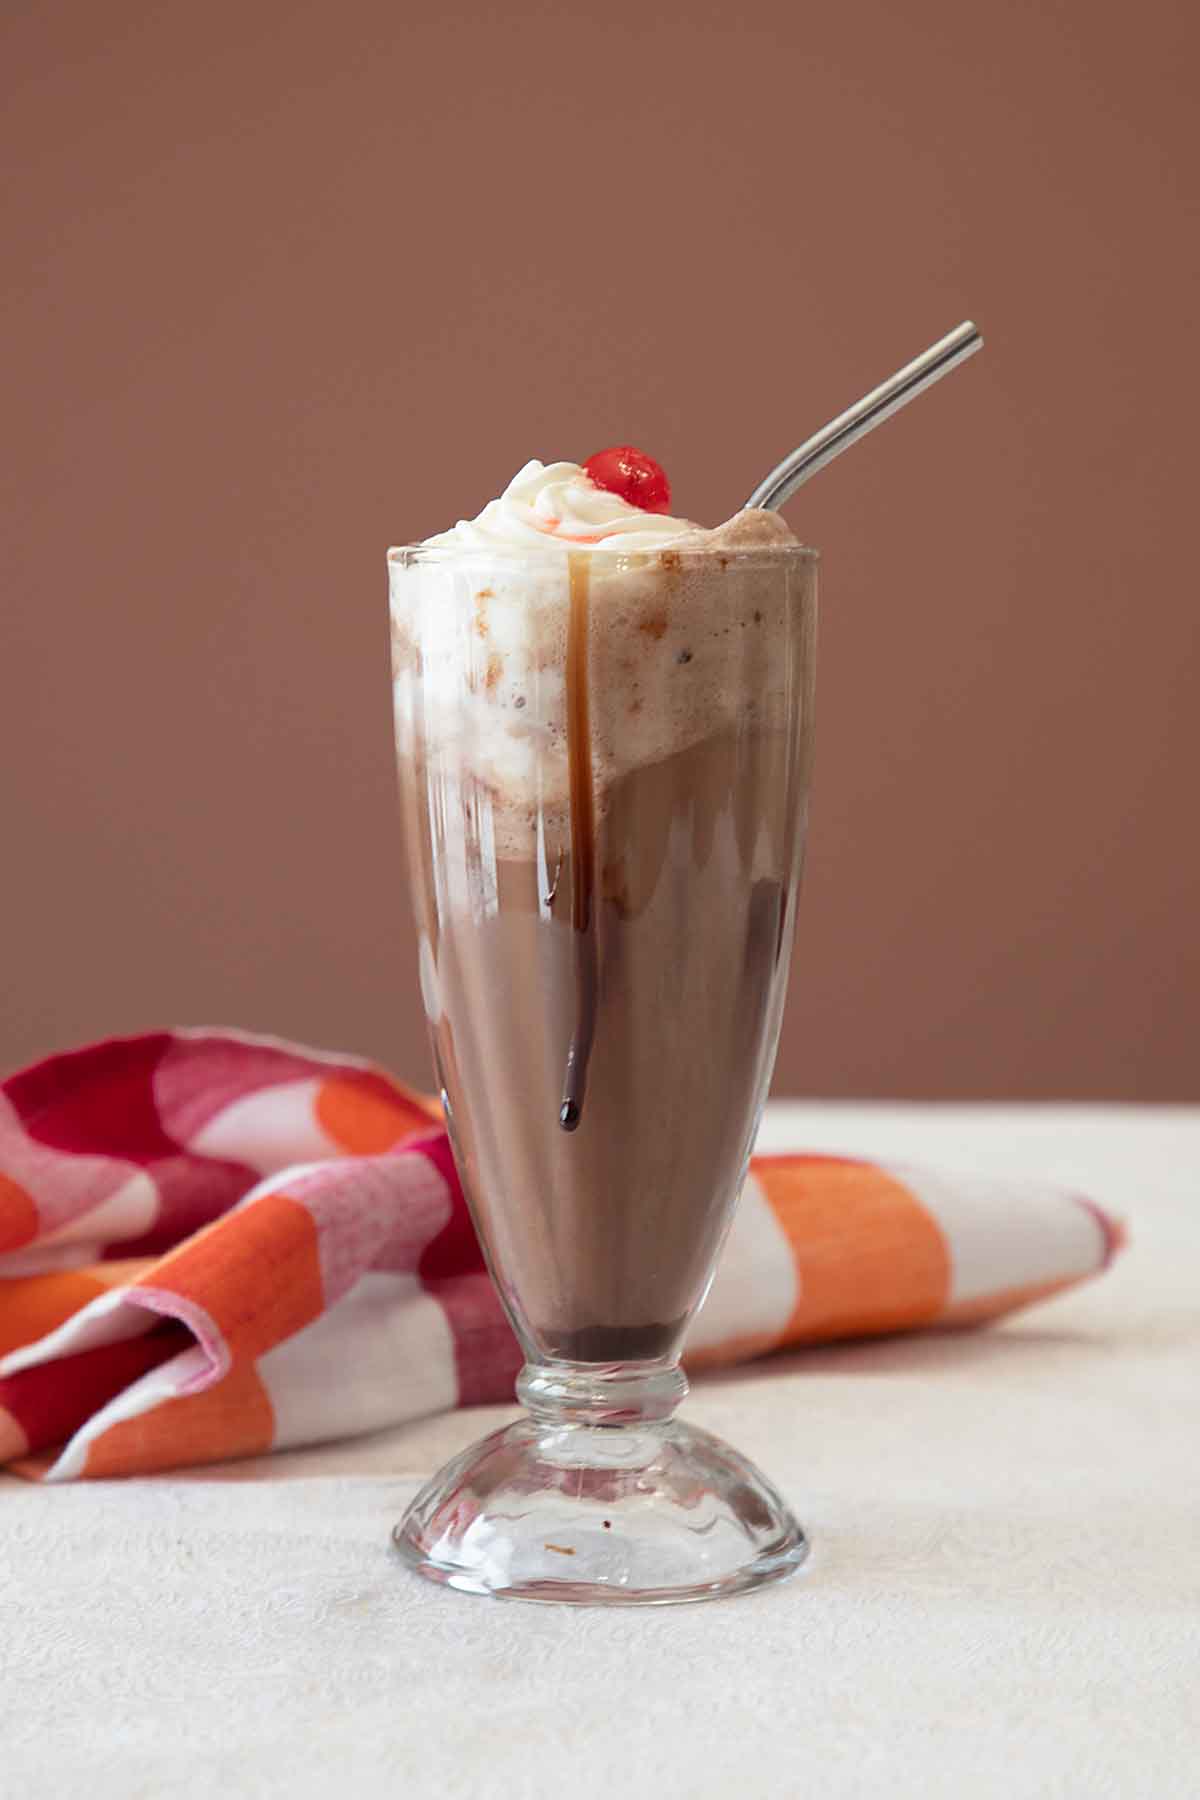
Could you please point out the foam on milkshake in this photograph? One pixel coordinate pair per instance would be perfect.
(681, 625)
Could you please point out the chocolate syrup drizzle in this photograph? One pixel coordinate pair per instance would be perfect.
(583, 843)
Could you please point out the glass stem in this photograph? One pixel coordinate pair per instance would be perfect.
(557, 1394)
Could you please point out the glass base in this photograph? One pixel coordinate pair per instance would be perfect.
(601, 1515)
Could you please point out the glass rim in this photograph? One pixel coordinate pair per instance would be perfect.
(407, 555)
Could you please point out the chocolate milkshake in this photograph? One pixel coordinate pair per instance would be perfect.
(603, 724)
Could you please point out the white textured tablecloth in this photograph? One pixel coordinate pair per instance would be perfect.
(1004, 1597)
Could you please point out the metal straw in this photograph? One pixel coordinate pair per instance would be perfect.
(866, 414)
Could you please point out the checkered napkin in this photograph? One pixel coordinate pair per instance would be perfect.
(213, 1245)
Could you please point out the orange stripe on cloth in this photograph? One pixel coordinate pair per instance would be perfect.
(367, 1114)
(18, 1215)
(234, 1418)
(32, 1305)
(869, 1257)
(256, 1273)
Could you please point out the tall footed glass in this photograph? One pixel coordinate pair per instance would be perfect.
(604, 765)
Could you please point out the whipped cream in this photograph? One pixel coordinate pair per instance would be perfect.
(688, 632)
(551, 504)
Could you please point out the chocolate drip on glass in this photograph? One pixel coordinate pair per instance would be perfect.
(583, 843)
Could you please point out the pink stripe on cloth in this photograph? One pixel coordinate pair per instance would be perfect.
(191, 1194)
(487, 1356)
(378, 1212)
(97, 1103)
(64, 1185)
(189, 1313)
(202, 1073)
(456, 1249)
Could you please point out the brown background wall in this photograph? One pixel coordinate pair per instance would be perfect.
(289, 282)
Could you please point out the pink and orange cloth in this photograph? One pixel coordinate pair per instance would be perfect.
(213, 1245)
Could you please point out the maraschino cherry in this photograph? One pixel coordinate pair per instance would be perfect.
(633, 475)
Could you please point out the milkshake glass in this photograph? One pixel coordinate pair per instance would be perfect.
(604, 758)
